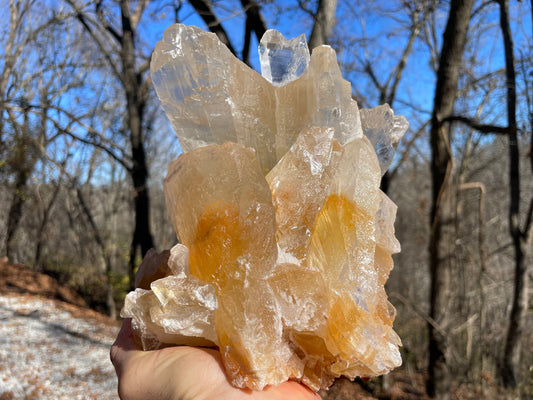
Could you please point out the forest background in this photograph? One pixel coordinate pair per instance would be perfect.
(84, 148)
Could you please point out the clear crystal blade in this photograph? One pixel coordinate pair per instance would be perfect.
(282, 60)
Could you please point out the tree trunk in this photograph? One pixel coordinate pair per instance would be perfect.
(22, 162)
(442, 239)
(42, 226)
(511, 354)
(324, 22)
(15, 211)
(254, 23)
(131, 79)
(110, 300)
(142, 237)
(9, 60)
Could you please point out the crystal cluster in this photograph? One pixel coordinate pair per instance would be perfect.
(285, 238)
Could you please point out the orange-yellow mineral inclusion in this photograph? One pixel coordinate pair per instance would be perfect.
(217, 243)
(335, 231)
(340, 341)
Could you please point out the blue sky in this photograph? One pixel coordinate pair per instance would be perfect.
(376, 31)
(376, 25)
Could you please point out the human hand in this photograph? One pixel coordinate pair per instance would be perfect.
(184, 373)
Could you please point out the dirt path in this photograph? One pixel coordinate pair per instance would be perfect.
(54, 350)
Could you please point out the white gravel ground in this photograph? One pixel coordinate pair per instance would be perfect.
(46, 353)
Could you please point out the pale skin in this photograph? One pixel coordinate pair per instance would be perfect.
(184, 373)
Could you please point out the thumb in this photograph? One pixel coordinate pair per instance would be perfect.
(124, 347)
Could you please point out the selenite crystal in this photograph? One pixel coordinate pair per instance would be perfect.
(282, 61)
(285, 237)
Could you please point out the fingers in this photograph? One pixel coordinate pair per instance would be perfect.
(126, 358)
(123, 347)
(165, 373)
(289, 390)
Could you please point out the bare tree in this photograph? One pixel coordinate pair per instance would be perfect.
(324, 21)
(521, 237)
(11, 51)
(520, 231)
(119, 47)
(46, 211)
(26, 96)
(110, 300)
(387, 88)
(442, 238)
(254, 23)
(22, 161)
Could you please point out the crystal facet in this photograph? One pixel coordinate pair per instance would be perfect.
(282, 61)
(285, 237)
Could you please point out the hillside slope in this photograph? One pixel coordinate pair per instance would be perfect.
(49, 348)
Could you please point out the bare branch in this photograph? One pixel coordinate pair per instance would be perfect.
(304, 8)
(529, 105)
(104, 23)
(406, 153)
(527, 232)
(420, 312)
(92, 143)
(254, 18)
(203, 8)
(370, 71)
(483, 128)
(145, 66)
(106, 147)
(13, 51)
(137, 14)
(255, 23)
(398, 71)
(85, 20)
(481, 7)
(396, 75)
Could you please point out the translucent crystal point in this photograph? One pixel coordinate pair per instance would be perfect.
(282, 60)
(384, 130)
(211, 97)
(299, 185)
(175, 311)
